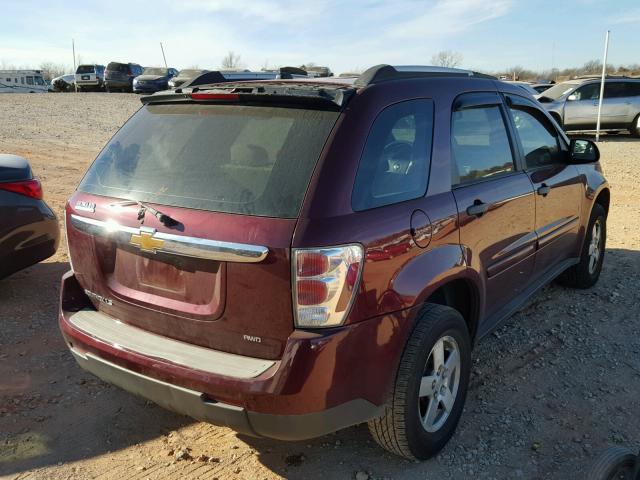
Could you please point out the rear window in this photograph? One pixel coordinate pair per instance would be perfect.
(118, 67)
(85, 69)
(156, 71)
(250, 160)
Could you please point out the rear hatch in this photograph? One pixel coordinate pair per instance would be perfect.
(215, 270)
(86, 74)
(117, 72)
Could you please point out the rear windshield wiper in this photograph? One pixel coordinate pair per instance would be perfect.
(165, 219)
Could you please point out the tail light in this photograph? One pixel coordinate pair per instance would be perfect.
(29, 188)
(325, 282)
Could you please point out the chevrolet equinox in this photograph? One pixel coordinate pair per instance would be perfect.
(291, 257)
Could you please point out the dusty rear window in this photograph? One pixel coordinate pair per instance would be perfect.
(251, 160)
(85, 69)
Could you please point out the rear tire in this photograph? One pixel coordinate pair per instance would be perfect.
(430, 388)
(614, 463)
(585, 274)
(635, 127)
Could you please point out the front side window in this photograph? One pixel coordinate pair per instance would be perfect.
(479, 144)
(588, 92)
(394, 166)
(538, 138)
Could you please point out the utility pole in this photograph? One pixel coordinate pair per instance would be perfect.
(165, 58)
(604, 73)
(73, 47)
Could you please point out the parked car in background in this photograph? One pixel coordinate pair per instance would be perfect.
(119, 76)
(284, 258)
(63, 83)
(574, 104)
(185, 76)
(90, 77)
(153, 79)
(224, 76)
(541, 87)
(29, 229)
(22, 81)
(526, 86)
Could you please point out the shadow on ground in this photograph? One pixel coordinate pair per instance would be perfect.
(533, 383)
(51, 411)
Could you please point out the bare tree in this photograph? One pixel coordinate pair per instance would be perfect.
(447, 58)
(231, 61)
(52, 70)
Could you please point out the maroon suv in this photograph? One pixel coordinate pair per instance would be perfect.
(289, 258)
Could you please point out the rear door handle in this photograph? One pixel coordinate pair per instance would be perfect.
(543, 190)
(477, 209)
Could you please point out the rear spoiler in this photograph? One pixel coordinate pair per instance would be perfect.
(254, 92)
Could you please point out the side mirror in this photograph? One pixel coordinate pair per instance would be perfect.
(572, 98)
(583, 151)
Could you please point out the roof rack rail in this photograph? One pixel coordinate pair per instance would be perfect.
(595, 76)
(385, 73)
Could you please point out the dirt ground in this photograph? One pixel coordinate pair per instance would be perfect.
(556, 384)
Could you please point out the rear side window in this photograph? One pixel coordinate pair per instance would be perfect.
(615, 90)
(236, 159)
(632, 89)
(394, 166)
(479, 144)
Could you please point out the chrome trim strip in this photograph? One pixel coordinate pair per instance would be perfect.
(174, 244)
(122, 336)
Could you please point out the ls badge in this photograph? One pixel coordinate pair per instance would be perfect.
(84, 206)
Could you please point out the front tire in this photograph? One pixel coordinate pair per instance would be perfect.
(585, 274)
(635, 127)
(430, 388)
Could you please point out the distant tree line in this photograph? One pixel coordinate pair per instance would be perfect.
(444, 58)
(592, 67)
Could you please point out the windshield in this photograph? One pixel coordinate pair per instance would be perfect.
(155, 71)
(557, 91)
(85, 69)
(236, 159)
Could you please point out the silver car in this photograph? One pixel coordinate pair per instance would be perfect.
(574, 104)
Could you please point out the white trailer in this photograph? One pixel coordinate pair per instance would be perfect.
(22, 81)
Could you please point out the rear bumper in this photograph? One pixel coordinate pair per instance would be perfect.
(195, 405)
(29, 244)
(323, 382)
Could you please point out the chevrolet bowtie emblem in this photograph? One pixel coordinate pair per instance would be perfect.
(145, 241)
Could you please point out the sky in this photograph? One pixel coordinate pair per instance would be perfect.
(347, 35)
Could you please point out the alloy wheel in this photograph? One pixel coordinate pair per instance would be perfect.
(439, 384)
(594, 246)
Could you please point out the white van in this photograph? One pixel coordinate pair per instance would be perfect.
(22, 81)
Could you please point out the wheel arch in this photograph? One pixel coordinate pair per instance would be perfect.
(463, 295)
(603, 198)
